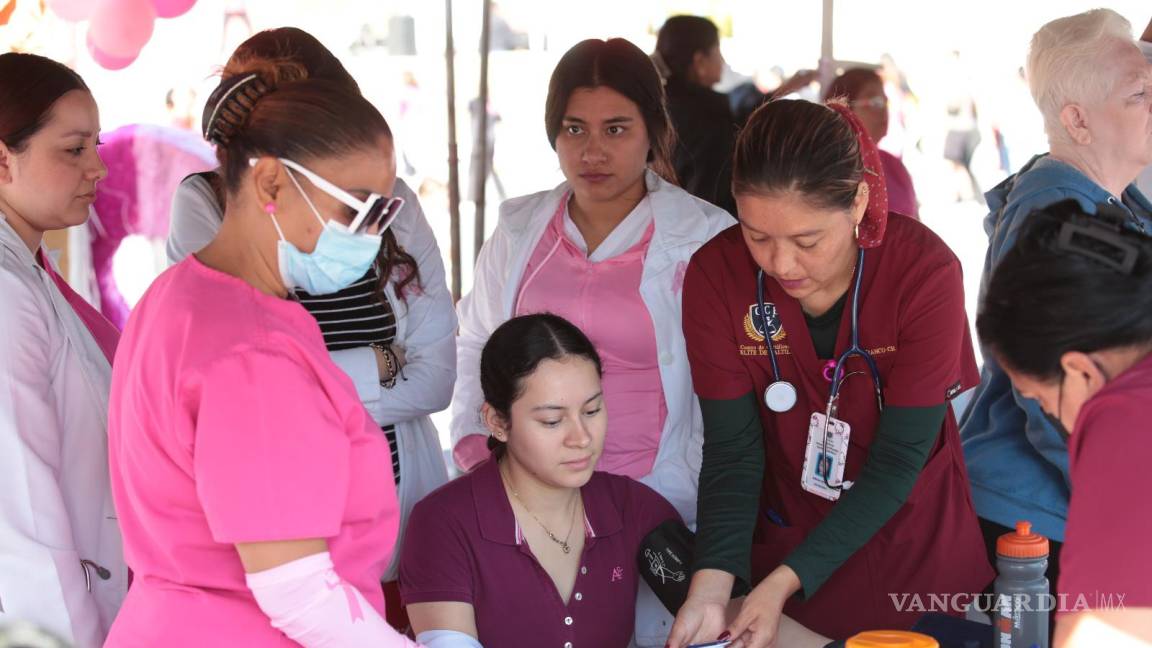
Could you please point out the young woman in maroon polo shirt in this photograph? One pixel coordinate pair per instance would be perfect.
(825, 528)
(534, 530)
(1068, 314)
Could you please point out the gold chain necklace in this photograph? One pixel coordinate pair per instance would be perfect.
(563, 543)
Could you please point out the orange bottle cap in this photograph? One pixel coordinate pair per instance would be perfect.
(891, 639)
(1022, 543)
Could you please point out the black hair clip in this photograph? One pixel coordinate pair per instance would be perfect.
(1100, 242)
(215, 107)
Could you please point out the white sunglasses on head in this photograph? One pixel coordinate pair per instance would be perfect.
(376, 212)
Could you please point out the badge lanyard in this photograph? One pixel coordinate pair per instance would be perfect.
(780, 395)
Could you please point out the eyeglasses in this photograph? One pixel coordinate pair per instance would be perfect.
(876, 103)
(374, 215)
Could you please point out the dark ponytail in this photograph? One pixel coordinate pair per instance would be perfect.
(516, 348)
(678, 42)
(1072, 282)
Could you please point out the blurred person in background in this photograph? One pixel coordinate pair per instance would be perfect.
(61, 562)
(863, 90)
(689, 60)
(395, 337)
(746, 97)
(1091, 83)
(963, 134)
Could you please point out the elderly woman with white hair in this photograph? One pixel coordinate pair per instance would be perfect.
(1091, 83)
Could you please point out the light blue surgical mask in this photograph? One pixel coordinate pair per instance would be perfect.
(339, 259)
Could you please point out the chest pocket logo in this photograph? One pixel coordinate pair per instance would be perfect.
(754, 323)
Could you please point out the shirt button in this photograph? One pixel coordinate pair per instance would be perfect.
(579, 596)
(666, 358)
(583, 570)
(567, 620)
(567, 644)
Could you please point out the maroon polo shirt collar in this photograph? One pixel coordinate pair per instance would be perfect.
(602, 516)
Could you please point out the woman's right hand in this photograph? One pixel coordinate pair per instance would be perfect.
(703, 617)
(699, 621)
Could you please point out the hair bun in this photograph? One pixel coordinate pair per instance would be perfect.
(230, 105)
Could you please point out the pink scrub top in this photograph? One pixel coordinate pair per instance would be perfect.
(603, 299)
(229, 423)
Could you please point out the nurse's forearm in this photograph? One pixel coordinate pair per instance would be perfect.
(730, 478)
(904, 439)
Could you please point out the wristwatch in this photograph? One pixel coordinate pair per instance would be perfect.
(390, 364)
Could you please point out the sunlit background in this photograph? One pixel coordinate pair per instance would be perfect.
(939, 51)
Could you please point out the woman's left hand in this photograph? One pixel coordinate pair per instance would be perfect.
(757, 624)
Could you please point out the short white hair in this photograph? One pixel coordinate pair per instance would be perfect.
(1069, 62)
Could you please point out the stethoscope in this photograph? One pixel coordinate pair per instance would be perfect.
(780, 395)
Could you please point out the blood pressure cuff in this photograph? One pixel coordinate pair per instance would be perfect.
(664, 559)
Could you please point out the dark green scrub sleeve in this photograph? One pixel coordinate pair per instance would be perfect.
(730, 479)
(904, 438)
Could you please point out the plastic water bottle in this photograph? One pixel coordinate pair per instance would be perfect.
(1020, 613)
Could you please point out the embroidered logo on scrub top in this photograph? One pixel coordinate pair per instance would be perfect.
(754, 323)
(617, 574)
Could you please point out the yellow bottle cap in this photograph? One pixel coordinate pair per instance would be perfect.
(891, 639)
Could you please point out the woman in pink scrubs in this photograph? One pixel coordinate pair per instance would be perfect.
(253, 487)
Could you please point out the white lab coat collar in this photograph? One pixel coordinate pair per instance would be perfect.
(680, 218)
(13, 243)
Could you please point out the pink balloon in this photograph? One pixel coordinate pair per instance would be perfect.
(107, 61)
(121, 28)
(73, 10)
(172, 8)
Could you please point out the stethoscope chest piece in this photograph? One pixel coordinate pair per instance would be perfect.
(780, 396)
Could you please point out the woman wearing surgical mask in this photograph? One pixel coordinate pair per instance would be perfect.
(1067, 316)
(398, 316)
(254, 489)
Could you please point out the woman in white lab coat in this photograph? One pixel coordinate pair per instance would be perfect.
(417, 313)
(61, 564)
(607, 250)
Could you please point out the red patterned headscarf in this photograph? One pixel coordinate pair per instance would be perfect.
(876, 216)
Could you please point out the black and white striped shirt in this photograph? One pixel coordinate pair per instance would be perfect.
(356, 317)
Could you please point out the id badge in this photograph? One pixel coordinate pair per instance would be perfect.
(824, 457)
